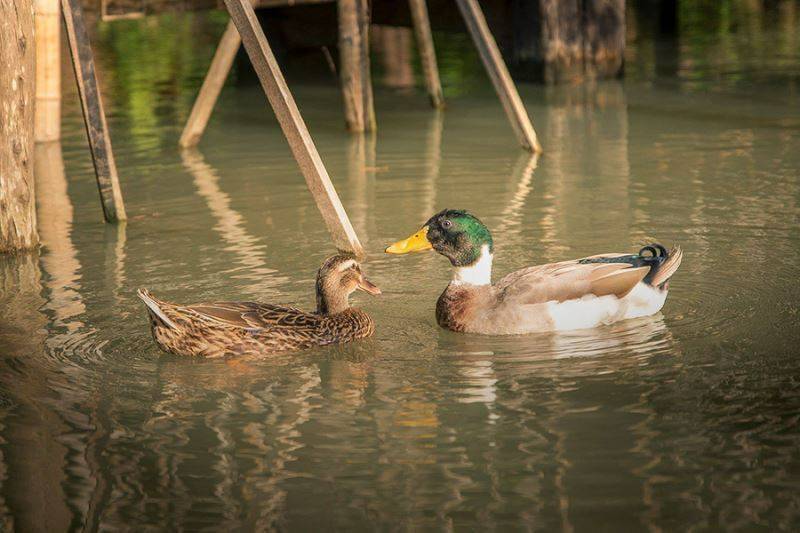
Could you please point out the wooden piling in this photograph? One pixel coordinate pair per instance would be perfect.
(349, 60)
(291, 122)
(212, 85)
(94, 117)
(427, 53)
(368, 105)
(47, 114)
(498, 73)
(17, 79)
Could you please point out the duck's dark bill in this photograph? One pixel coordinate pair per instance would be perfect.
(416, 243)
(367, 286)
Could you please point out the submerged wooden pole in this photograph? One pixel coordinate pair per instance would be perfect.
(288, 115)
(17, 79)
(212, 85)
(498, 73)
(94, 117)
(427, 53)
(47, 114)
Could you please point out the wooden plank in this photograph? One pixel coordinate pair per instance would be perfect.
(212, 85)
(498, 73)
(427, 53)
(295, 130)
(349, 63)
(94, 118)
(47, 113)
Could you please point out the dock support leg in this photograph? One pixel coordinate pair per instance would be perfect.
(47, 112)
(212, 85)
(354, 65)
(427, 53)
(94, 118)
(288, 115)
(498, 72)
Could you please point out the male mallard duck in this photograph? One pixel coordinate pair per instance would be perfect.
(576, 294)
(232, 328)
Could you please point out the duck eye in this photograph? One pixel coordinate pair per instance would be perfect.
(446, 224)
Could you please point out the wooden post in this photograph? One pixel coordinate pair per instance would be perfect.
(568, 40)
(349, 60)
(427, 53)
(47, 114)
(288, 115)
(212, 85)
(368, 105)
(17, 86)
(496, 68)
(94, 118)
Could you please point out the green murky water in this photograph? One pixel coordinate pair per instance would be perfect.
(687, 419)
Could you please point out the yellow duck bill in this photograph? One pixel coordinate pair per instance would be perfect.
(416, 243)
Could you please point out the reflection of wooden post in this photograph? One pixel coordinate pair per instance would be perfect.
(427, 53)
(212, 85)
(288, 115)
(496, 68)
(105, 168)
(17, 64)
(47, 114)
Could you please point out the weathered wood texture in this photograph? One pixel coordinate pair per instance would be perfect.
(568, 40)
(212, 85)
(364, 21)
(498, 73)
(94, 118)
(17, 86)
(427, 52)
(295, 130)
(47, 114)
(354, 70)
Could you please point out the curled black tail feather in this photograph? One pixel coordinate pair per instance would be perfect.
(662, 263)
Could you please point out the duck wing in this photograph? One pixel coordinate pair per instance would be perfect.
(569, 280)
(253, 315)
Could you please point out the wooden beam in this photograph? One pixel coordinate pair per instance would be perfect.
(94, 118)
(368, 104)
(349, 63)
(291, 122)
(47, 113)
(212, 85)
(427, 53)
(498, 73)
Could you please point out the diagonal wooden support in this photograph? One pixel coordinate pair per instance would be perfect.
(496, 68)
(291, 122)
(94, 117)
(427, 53)
(212, 85)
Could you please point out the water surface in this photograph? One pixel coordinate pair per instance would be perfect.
(687, 419)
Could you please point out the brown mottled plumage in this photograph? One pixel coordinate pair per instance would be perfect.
(233, 328)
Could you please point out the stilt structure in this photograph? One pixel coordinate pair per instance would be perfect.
(427, 53)
(288, 115)
(498, 73)
(94, 117)
(212, 85)
(47, 113)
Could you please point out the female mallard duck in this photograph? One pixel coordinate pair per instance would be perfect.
(581, 293)
(233, 328)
